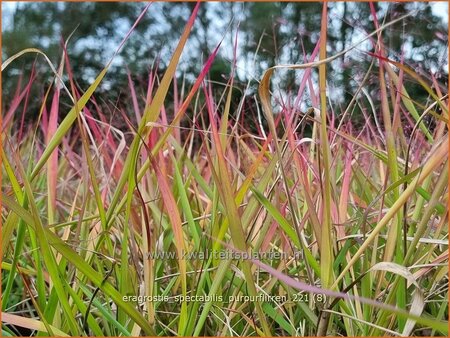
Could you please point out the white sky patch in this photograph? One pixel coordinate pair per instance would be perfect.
(440, 9)
(8, 9)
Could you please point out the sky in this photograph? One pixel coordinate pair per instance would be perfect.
(441, 9)
(438, 8)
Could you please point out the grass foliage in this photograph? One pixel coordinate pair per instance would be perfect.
(350, 224)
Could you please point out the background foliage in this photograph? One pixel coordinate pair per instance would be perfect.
(269, 33)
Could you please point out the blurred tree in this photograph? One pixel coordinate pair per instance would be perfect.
(285, 33)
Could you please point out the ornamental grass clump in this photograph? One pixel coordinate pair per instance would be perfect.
(188, 222)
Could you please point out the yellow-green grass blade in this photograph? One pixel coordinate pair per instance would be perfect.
(222, 269)
(287, 228)
(21, 269)
(185, 205)
(17, 189)
(48, 255)
(428, 211)
(73, 113)
(436, 159)
(151, 113)
(124, 257)
(421, 81)
(93, 325)
(394, 245)
(277, 317)
(30, 323)
(8, 229)
(326, 259)
(264, 93)
(284, 224)
(66, 124)
(108, 316)
(235, 224)
(417, 303)
(437, 324)
(175, 220)
(406, 99)
(21, 230)
(89, 163)
(95, 277)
